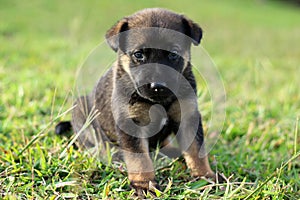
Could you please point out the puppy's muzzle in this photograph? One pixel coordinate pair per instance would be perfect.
(156, 91)
(157, 87)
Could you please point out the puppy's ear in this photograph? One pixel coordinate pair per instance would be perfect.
(112, 35)
(192, 30)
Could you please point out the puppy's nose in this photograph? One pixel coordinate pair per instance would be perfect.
(157, 87)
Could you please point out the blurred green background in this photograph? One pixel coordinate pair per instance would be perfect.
(255, 45)
(236, 34)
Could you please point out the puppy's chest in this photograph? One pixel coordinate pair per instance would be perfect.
(144, 113)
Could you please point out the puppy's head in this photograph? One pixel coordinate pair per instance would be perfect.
(149, 41)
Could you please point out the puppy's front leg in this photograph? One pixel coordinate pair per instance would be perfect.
(189, 134)
(139, 165)
(191, 142)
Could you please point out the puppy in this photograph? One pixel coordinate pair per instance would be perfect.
(147, 95)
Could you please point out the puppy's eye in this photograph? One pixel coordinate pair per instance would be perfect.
(173, 55)
(138, 55)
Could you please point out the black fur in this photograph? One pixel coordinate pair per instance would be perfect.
(63, 128)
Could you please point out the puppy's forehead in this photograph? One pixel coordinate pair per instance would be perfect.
(158, 38)
(156, 28)
(156, 17)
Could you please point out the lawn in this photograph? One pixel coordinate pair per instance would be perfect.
(255, 46)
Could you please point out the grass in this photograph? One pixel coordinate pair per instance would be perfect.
(253, 43)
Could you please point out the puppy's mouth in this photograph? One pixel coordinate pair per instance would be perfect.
(156, 92)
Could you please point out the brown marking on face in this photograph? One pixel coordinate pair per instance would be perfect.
(124, 61)
(187, 57)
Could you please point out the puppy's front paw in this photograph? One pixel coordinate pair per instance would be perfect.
(141, 187)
